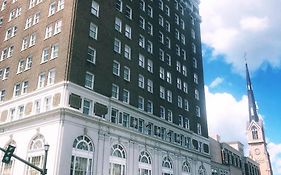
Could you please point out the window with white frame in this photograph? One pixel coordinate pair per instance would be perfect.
(194, 62)
(149, 107)
(149, 46)
(169, 96)
(20, 111)
(199, 129)
(186, 123)
(128, 31)
(118, 24)
(196, 94)
(93, 32)
(195, 78)
(127, 52)
(193, 48)
(35, 154)
(21, 66)
(167, 166)
(32, 40)
(91, 56)
(28, 62)
(149, 85)
(141, 61)
(82, 156)
(47, 103)
(25, 87)
(51, 77)
(186, 105)
(162, 92)
(17, 89)
(45, 55)
(54, 51)
(141, 81)
(119, 5)
(141, 41)
(95, 8)
(161, 6)
(141, 103)
(162, 73)
(168, 42)
(161, 55)
(142, 22)
(180, 101)
(185, 87)
(150, 65)
(126, 73)
(115, 91)
(162, 112)
(2, 95)
(52, 8)
(58, 26)
(184, 70)
(149, 11)
(117, 45)
(89, 80)
(178, 83)
(198, 113)
(126, 96)
(11, 32)
(24, 44)
(145, 163)
(87, 106)
(167, 26)
(116, 68)
(167, 10)
(37, 106)
(128, 12)
(60, 5)
(48, 31)
(150, 29)
(161, 37)
(28, 22)
(169, 115)
(183, 54)
(6, 73)
(117, 160)
(180, 120)
(169, 77)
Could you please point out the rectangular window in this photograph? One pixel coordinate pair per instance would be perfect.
(45, 55)
(199, 129)
(118, 5)
(162, 73)
(169, 96)
(149, 85)
(127, 52)
(17, 89)
(162, 92)
(117, 45)
(128, 31)
(24, 44)
(126, 73)
(58, 25)
(118, 25)
(162, 112)
(149, 47)
(128, 12)
(186, 105)
(196, 94)
(115, 91)
(54, 51)
(142, 22)
(141, 103)
(149, 107)
(28, 22)
(37, 106)
(95, 8)
(36, 18)
(24, 87)
(87, 105)
(169, 77)
(150, 11)
(91, 57)
(32, 40)
(126, 96)
(178, 83)
(170, 116)
(2, 95)
(51, 76)
(20, 111)
(52, 8)
(150, 65)
(198, 114)
(185, 87)
(116, 68)
(48, 31)
(89, 80)
(141, 61)
(47, 103)
(93, 33)
(161, 55)
(41, 80)
(142, 41)
(141, 81)
(150, 29)
(180, 121)
(179, 102)
(28, 63)
(60, 5)
(21, 65)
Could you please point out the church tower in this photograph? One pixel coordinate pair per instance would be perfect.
(255, 133)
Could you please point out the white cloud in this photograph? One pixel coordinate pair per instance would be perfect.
(216, 82)
(227, 116)
(275, 155)
(234, 27)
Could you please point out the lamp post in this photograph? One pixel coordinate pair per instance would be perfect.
(46, 149)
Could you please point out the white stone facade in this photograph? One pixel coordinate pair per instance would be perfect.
(60, 125)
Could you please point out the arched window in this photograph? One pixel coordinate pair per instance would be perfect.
(35, 154)
(255, 133)
(82, 156)
(201, 170)
(117, 160)
(145, 167)
(186, 169)
(167, 166)
(7, 169)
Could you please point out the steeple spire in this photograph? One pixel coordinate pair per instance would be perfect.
(253, 114)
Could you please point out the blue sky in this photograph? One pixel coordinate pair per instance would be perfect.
(229, 29)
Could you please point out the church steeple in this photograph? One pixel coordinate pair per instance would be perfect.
(253, 114)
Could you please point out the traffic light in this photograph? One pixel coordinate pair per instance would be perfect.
(8, 154)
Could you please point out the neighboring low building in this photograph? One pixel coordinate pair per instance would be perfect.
(229, 159)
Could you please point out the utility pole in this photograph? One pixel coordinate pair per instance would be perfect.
(9, 153)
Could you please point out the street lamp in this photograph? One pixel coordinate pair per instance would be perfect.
(46, 149)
